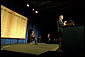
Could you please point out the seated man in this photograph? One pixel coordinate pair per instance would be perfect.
(33, 37)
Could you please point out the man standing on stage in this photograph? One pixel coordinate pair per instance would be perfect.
(60, 24)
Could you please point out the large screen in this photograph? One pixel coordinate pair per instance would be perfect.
(13, 25)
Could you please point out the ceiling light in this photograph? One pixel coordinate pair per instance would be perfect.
(27, 5)
(33, 9)
(36, 11)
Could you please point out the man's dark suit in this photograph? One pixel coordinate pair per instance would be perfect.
(60, 25)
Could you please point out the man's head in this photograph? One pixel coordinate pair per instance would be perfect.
(32, 32)
(48, 35)
(61, 17)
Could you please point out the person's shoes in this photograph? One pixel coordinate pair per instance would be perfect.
(36, 44)
(31, 43)
(59, 50)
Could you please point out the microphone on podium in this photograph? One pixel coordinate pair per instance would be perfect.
(72, 22)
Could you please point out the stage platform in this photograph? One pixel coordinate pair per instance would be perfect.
(30, 48)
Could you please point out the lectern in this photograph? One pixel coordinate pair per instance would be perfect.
(73, 40)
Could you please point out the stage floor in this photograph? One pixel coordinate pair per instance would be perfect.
(30, 48)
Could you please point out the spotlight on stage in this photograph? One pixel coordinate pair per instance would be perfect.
(36, 11)
(27, 5)
(33, 9)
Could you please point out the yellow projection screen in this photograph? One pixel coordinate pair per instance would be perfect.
(13, 25)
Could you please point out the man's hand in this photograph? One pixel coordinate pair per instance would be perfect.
(65, 22)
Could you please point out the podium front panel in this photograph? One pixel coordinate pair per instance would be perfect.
(73, 39)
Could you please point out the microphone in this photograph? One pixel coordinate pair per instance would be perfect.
(72, 22)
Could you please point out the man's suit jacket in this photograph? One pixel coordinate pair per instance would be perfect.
(60, 25)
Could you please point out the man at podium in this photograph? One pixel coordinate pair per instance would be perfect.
(60, 24)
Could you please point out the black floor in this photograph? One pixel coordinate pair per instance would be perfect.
(11, 53)
(48, 53)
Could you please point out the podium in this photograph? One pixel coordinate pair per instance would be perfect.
(69, 24)
(73, 40)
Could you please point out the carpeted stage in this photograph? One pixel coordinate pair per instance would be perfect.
(29, 49)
